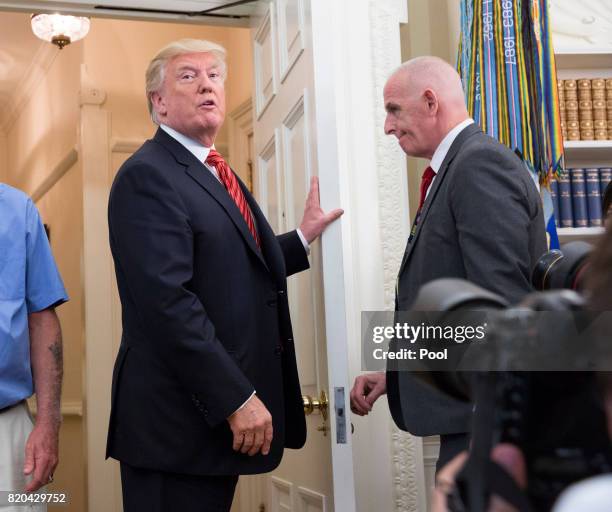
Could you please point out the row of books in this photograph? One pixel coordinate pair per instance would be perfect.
(585, 105)
(577, 197)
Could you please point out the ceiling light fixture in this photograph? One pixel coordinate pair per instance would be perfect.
(59, 29)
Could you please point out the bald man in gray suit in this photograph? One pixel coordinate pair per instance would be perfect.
(480, 219)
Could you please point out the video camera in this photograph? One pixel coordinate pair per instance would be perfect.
(556, 419)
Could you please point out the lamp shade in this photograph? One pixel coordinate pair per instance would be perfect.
(59, 29)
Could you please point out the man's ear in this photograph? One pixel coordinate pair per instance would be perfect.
(431, 101)
(159, 104)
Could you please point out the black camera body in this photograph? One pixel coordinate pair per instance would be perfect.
(556, 419)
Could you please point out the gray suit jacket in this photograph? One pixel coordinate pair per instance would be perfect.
(482, 221)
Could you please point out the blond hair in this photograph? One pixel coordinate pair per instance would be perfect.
(157, 67)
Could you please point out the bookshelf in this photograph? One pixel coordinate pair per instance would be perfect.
(573, 234)
(574, 63)
(591, 63)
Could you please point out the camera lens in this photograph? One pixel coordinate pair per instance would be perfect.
(563, 268)
(540, 277)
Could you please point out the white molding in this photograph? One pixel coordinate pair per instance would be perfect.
(275, 485)
(288, 52)
(243, 113)
(37, 70)
(251, 492)
(587, 144)
(240, 130)
(402, 11)
(590, 235)
(120, 145)
(307, 497)
(391, 164)
(297, 112)
(103, 482)
(271, 149)
(407, 453)
(266, 30)
(69, 408)
(590, 231)
(431, 451)
(62, 167)
(584, 51)
(408, 472)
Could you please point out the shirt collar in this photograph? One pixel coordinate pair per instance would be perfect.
(198, 150)
(442, 150)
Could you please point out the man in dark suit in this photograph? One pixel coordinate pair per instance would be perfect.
(205, 386)
(480, 218)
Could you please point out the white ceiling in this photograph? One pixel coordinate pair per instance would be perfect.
(151, 9)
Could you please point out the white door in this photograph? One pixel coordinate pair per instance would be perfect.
(285, 159)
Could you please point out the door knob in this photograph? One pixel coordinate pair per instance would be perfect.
(316, 404)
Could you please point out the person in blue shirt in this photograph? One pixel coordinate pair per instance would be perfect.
(30, 346)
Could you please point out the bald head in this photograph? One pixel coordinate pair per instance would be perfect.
(424, 101)
(433, 73)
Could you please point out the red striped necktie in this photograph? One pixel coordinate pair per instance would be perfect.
(230, 182)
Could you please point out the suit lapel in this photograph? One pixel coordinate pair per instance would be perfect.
(203, 177)
(269, 245)
(452, 152)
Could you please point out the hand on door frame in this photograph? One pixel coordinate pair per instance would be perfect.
(315, 220)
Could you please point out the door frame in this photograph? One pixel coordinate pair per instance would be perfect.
(356, 45)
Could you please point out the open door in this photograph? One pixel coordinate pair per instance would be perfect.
(286, 157)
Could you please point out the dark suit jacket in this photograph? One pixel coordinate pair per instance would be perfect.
(482, 221)
(205, 318)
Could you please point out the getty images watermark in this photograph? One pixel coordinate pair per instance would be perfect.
(500, 340)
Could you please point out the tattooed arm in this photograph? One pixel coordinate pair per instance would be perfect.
(41, 453)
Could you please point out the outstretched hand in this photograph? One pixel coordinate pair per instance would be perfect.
(315, 220)
(366, 390)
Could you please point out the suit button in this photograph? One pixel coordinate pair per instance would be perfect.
(272, 303)
(281, 292)
(289, 340)
(278, 350)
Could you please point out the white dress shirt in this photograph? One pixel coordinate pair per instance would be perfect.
(442, 149)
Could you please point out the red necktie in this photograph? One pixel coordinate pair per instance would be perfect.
(426, 180)
(230, 182)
